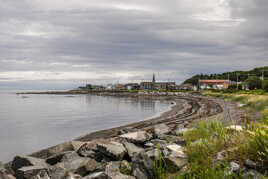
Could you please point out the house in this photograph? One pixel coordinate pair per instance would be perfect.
(214, 84)
(132, 86)
(186, 86)
(146, 85)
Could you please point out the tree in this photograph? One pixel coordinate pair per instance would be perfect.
(265, 85)
(254, 83)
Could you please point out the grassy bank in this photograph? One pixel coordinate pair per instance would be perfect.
(211, 147)
(251, 101)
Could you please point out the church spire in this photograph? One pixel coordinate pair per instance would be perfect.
(153, 78)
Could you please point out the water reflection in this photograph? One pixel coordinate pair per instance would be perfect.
(30, 124)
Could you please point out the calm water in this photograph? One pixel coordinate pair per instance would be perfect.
(29, 123)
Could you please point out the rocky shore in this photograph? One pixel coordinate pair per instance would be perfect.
(127, 151)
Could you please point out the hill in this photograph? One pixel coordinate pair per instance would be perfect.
(241, 75)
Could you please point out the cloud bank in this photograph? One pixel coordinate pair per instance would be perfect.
(59, 43)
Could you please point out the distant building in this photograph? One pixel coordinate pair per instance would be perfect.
(157, 85)
(132, 86)
(214, 84)
(186, 86)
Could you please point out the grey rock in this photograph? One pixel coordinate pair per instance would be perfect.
(114, 150)
(73, 165)
(6, 176)
(250, 164)
(132, 149)
(174, 164)
(56, 158)
(138, 137)
(161, 129)
(24, 161)
(96, 175)
(176, 151)
(91, 166)
(32, 172)
(113, 171)
(56, 172)
(160, 142)
(221, 155)
(72, 176)
(148, 144)
(142, 166)
(252, 174)
(86, 151)
(153, 153)
(233, 168)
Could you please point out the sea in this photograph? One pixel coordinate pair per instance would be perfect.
(29, 123)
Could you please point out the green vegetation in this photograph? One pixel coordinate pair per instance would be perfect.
(241, 75)
(253, 101)
(210, 139)
(158, 165)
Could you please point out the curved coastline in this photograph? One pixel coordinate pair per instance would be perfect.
(186, 108)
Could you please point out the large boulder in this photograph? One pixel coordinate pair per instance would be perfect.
(132, 149)
(114, 150)
(252, 174)
(142, 166)
(138, 137)
(31, 172)
(161, 129)
(24, 161)
(91, 166)
(73, 165)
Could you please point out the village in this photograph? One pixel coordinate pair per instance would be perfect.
(216, 84)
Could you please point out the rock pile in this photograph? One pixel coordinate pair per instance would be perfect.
(127, 156)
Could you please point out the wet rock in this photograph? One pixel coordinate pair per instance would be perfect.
(252, 174)
(96, 175)
(114, 150)
(233, 168)
(113, 171)
(31, 172)
(174, 164)
(161, 129)
(142, 166)
(91, 166)
(132, 149)
(24, 161)
(138, 137)
(176, 151)
(250, 164)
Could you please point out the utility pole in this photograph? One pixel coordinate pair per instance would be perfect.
(237, 80)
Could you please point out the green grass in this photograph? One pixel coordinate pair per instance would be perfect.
(210, 137)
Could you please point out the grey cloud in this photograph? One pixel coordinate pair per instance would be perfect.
(173, 38)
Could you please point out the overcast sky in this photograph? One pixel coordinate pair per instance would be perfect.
(54, 44)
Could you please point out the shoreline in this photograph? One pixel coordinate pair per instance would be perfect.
(110, 147)
(178, 114)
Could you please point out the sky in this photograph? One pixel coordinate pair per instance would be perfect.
(60, 44)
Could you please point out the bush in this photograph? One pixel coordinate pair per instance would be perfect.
(254, 83)
(265, 85)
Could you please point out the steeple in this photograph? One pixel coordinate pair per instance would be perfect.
(153, 79)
